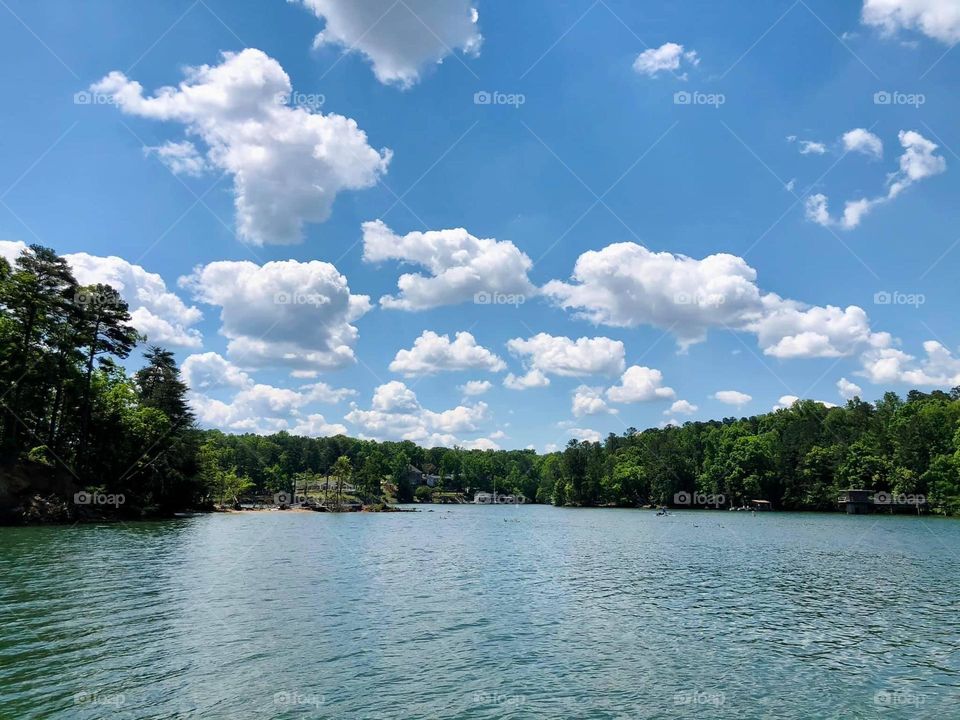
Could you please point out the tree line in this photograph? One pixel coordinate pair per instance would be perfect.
(67, 404)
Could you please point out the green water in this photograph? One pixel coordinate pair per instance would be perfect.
(483, 612)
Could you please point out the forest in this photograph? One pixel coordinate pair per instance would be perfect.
(73, 418)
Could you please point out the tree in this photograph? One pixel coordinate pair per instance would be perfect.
(344, 471)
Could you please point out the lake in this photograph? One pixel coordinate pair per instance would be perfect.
(483, 612)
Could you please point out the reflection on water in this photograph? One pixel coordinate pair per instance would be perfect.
(483, 612)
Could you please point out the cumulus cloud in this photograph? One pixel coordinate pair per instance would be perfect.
(553, 355)
(627, 285)
(532, 379)
(155, 311)
(475, 387)
(785, 402)
(433, 353)
(887, 365)
(583, 434)
(918, 162)
(288, 163)
(255, 407)
(666, 58)
(589, 401)
(861, 140)
(938, 19)
(396, 414)
(640, 384)
(289, 313)
(732, 397)
(399, 39)
(210, 371)
(847, 389)
(681, 407)
(462, 267)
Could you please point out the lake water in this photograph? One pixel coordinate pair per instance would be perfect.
(483, 612)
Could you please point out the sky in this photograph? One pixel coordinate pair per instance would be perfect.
(498, 224)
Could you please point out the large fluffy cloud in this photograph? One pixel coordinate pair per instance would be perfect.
(861, 140)
(589, 401)
(291, 314)
(433, 353)
(640, 384)
(918, 162)
(732, 397)
(627, 285)
(553, 355)
(396, 414)
(462, 267)
(939, 19)
(155, 311)
(288, 163)
(399, 38)
(886, 365)
(255, 407)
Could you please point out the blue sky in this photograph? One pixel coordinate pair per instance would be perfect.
(711, 235)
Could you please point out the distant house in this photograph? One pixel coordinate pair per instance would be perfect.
(417, 477)
(856, 501)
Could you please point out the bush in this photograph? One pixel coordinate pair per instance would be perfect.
(424, 493)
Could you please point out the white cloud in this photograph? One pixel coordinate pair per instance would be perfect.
(589, 401)
(584, 434)
(938, 19)
(888, 365)
(917, 163)
(666, 58)
(479, 444)
(396, 414)
(681, 407)
(288, 163)
(287, 313)
(255, 407)
(461, 266)
(785, 402)
(208, 371)
(863, 141)
(627, 285)
(475, 387)
(159, 314)
(640, 384)
(732, 397)
(808, 147)
(433, 353)
(399, 39)
(558, 355)
(533, 379)
(848, 389)
(316, 426)
(11, 249)
(182, 158)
